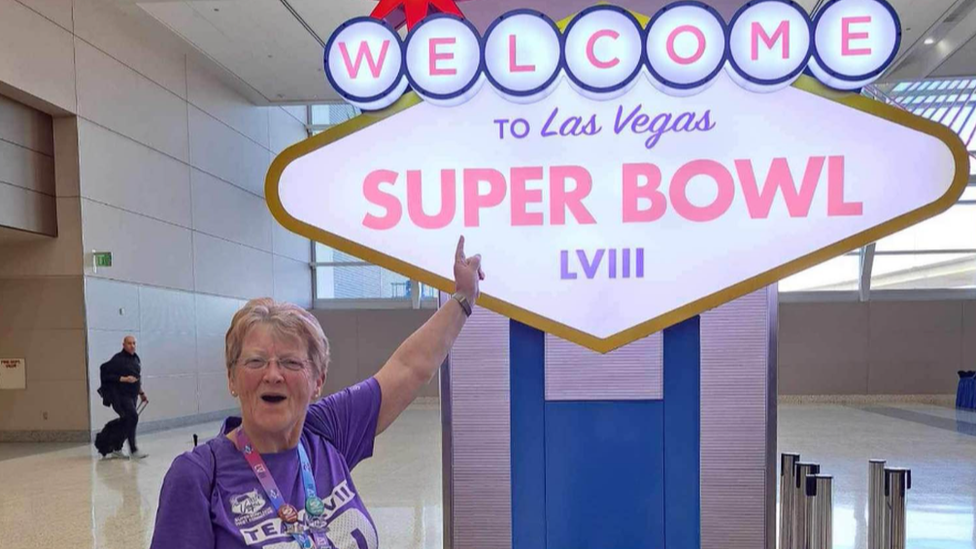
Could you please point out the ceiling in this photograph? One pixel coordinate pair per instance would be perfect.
(273, 47)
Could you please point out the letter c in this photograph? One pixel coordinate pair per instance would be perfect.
(591, 43)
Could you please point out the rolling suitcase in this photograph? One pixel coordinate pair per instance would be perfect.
(112, 436)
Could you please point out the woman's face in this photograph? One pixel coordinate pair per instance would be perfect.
(274, 399)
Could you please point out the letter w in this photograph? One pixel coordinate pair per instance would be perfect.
(779, 176)
(364, 51)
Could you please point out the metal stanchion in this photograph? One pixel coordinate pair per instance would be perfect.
(787, 498)
(876, 504)
(897, 482)
(802, 512)
(820, 499)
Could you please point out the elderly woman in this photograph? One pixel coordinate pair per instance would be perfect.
(279, 476)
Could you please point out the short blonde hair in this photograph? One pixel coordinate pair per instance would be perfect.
(287, 320)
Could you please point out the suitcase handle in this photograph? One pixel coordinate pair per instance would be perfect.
(141, 407)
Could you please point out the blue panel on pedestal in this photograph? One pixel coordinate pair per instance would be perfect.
(606, 474)
(528, 383)
(682, 434)
(604, 481)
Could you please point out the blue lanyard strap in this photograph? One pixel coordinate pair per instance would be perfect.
(286, 512)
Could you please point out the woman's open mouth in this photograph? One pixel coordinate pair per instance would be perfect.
(273, 399)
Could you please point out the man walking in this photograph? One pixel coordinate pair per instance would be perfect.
(121, 387)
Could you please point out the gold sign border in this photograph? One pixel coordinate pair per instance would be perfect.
(644, 329)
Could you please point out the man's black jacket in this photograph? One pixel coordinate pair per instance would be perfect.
(122, 364)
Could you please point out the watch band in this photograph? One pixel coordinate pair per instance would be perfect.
(463, 302)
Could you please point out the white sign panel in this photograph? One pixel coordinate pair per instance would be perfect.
(13, 373)
(603, 221)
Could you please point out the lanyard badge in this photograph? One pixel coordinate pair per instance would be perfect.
(312, 533)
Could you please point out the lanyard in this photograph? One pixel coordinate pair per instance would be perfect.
(314, 507)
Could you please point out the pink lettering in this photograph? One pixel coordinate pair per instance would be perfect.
(561, 200)
(633, 191)
(679, 189)
(474, 201)
(591, 46)
(846, 35)
(699, 36)
(436, 56)
(522, 196)
(779, 177)
(372, 192)
(782, 32)
(364, 52)
(415, 205)
(512, 63)
(835, 190)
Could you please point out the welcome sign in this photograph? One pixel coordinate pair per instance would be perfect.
(624, 173)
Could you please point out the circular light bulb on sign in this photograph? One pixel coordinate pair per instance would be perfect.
(364, 63)
(523, 55)
(603, 52)
(853, 42)
(685, 48)
(443, 58)
(769, 45)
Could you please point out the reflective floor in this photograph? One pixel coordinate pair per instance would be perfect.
(937, 444)
(57, 495)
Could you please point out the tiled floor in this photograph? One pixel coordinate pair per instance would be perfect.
(62, 496)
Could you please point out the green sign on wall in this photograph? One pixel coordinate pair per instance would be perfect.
(103, 259)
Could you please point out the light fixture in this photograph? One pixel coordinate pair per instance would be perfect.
(929, 41)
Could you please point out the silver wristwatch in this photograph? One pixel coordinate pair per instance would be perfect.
(463, 302)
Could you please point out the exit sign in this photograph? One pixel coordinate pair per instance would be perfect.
(103, 259)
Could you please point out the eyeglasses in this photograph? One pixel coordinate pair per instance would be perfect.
(258, 363)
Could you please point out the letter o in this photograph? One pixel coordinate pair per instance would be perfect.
(678, 190)
(684, 47)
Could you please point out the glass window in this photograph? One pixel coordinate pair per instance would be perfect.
(955, 84)
(923, 271)
(953, 230)
(332, 114)
(970, 192)
(840, 273)
(902, 86)
(944, 84)
(346, 277)
(950, 116)
(939, 114)
(967, 131)
(962, 118)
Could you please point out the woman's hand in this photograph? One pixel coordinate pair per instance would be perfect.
(467, 273)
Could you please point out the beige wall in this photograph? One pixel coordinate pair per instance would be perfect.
(362, 341)
(27, 199)
(168, 174)
(875, 348)
(42, 321)
(42, 307)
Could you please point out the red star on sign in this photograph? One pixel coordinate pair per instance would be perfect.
(411, 12)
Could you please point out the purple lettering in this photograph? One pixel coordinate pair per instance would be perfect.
(564, 273)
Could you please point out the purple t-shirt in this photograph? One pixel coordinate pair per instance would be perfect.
(212, 499)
